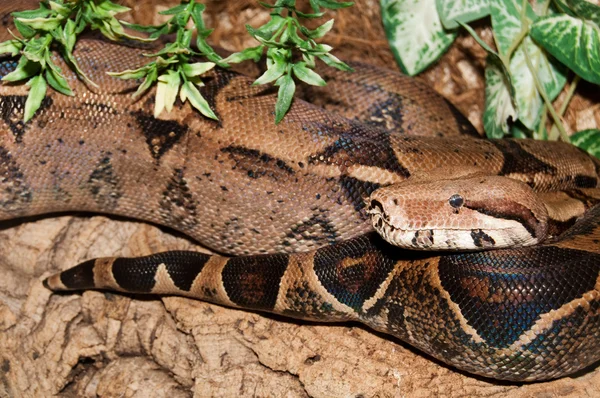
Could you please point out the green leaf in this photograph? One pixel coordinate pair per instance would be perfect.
(585, 10)
(253, 53)
(11, 46)
(109, 8)
(334, 5)
(479, 41)
(69, 36)
(41, 12)
(588, 140)
(270, 28)
(307, 75)
(506, 21)
(452, 11)
(574, 42)
(175, 10)
(193, 95)
(25, 69)
(45, 24)
(151, 77)
(37, 92)
(166, 92)
(131, 73)
(26, 31)
(498, 102)
(285, 95)
(62, 9)
(320, 31)
(58, 82)
(273, 73)
(197, 69)
(333, 61)
(415, 33)
(527, 97)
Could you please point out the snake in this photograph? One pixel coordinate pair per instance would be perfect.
(292, 208)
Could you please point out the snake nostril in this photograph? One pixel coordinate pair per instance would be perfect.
(376, 205)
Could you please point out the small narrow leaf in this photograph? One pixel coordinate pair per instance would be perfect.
(193, 95)
(131, 73)
(166, 92)
(24, 70)
(321, 30)
(58, 82)
(11, 46)
(37, 92)
(285, 95)
(253, 53)
(302, 72)
(151, 77)
(45, 24)
(333, 61)
(273, 73)
(197, 69)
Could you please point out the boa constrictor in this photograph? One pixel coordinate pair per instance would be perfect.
(289, 199)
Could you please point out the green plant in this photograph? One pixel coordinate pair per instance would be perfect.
(56, 23)
(536, 45)
(283, 37)
(172, 68)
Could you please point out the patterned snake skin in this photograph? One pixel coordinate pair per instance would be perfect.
(290, 200)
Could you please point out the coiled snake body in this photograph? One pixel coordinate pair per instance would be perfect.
(289, 200)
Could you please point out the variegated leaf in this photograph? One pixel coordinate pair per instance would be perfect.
(452, 11)
(498, 102)
(573, 41)
(415, 33)
(588, 140)
(527, 97)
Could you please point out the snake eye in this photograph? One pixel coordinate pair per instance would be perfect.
(456, 201)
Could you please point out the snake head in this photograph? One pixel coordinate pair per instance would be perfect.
(468, 214)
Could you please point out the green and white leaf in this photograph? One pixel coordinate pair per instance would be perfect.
(585, 10)
(588, 140)
(498, 101)
(573, 41)
(415, 33)
(452, 11)
(527, 97)
(506, 21)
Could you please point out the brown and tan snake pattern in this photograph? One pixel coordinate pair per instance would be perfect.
(289, 199)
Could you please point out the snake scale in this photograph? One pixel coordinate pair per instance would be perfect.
(289, 201)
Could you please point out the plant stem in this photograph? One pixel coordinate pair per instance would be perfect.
(565, 104)
(540, 132)
(542, 91)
